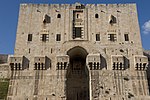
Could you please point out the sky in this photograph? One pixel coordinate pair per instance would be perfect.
(9, 10)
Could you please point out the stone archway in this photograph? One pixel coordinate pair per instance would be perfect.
(77, 83)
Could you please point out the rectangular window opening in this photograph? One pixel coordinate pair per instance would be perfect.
(77, 32)
(45, 37)
(126, 37)
(58, 37)
(97, 37)
(29, 37)
(112, 37)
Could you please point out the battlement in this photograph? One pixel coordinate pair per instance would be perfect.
(70, 6)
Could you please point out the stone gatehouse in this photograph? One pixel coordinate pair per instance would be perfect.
(78, 52)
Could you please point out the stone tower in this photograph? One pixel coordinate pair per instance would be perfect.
(78, 52)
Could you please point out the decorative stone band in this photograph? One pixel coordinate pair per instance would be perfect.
(62, 62)
(140, 62)
(118, 62)
(17, 62)
(41, 62)
(94, 61)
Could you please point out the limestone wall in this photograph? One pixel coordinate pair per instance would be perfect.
(4, 71)
(49, 36)
(31, 18)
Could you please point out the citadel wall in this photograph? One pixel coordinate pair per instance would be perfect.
(76, 51)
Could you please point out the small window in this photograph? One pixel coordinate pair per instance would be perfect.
(12, 66)
(19, 65)
(97, 37)
(46, 19)
(77, 15)
(39, 66)
(29, 37)
(59, 16)
(112, 37)
(126, 37)
(96, 15)
(35, 66)
(45, 37)
(77, 32)
(90, 65)
(29, 50)
(16, 67)
(58, 37)
(113, 20)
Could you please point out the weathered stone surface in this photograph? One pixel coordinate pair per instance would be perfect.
(78, 52)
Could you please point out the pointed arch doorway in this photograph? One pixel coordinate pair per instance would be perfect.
(77, 83)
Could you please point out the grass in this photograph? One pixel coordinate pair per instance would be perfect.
(4, 84)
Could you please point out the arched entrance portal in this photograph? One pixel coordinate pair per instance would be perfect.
(77, 84)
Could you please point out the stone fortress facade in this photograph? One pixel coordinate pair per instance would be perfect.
(77, 52)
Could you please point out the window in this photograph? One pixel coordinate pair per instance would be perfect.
(29, 37)
(113, 20)
(46, 19)
(16, 67)
(45, 37)
(126, 37)
(59, 16)
(29, 50)
(112, 37)
(38, 66)
(12, 66)
(97, 37)
(96, 15)
(80, 6)
(58, 37)
(35, 66)
(77, 32)
(19, 65)
(78, 16)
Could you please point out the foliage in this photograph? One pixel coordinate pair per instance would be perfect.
(4, 84)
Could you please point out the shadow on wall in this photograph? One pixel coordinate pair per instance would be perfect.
(148, 68)
(48, 63)
(103, 62)
(25, 64)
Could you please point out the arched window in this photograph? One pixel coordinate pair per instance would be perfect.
(137, 65)
(47, 19)
(77, 15)
(16, 66)
(59, 16)
(98, 66)
(114, 65)
(96, 16)
(38, 66)
(144, 66)
(117, 65)
(65, 65)
(90, 65)
(61, 65)
(113, 19)
(19, 65)
(120, 65)
(42, 66)
(140, 66)
(35, 66)
(94, 66)
(58, 65)
(12, 66)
